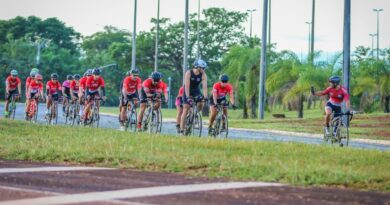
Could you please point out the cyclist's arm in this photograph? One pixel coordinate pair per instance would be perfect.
(20, 87)
(148, 93)
(231, 97)
(187, 83)
(204, 84)
(6, 86)
(215, 96)
(322, 93)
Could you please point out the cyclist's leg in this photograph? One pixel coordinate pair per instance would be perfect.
(213, 113)
(48, 103)
(328, 113)
(179, 109)
(7, 99)
(142, 108)
(123, 105)
(186, 108)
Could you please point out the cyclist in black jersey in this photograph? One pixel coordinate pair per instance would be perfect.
(193, 79)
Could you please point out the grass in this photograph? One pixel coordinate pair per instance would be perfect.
(292, 163)
(367, 126)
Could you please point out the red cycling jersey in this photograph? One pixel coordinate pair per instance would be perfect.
(53, 87)
(12, 82)
(181, 92)
(83, 81)
(131, 86)
(221, 92)
(158, 88)
(75, 86)
(94, 84)
(336, 96)
(34, 87)
(28, 81)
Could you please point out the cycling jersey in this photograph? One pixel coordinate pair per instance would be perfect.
(131, 86)
(336, 96)
(12, 83)
(158, 88)
(28, 81)
(221, 92)
(83, 81)
(195, 80)
(52, 87)
(94, 84)
(66, 84)
(34, 87)
(75, 86)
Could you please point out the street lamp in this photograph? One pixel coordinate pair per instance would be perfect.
(134, 43)
(309, 47)
(263, 61)
(157, 36)
(250, 28)
(313, 11)
(377, 31)
(185, 53)
(40, 43)
(372, 44)
(198, 33)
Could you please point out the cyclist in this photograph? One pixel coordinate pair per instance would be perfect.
(66, 91)
(337, 94)
(75, 87)
(131, 90)
(13, 86)
(34, 89)
(33, 72)
(151, 87)
(220, 91)
(92, 86)
(192, 81)
(53, 88)
(179, 108)
(82, 85)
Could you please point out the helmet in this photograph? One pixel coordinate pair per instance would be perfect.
(69, 77)
(14, 72)
(33, 73)
(135, 71)
(335, 79)
(96, 71)
(38, 76)
(36, 70)
(224, 78)
(89, 72)
(200, 64)
(156, 76)
(76, 77)
(54, 76)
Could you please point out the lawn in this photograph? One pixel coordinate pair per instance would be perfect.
(292, 163)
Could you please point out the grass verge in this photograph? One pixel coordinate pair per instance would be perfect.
(292, 163)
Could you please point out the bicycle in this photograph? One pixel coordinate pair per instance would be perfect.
(74, 112)
(66, 114)
(52, 118)
(93, 116)
(32, 110)
(131, 114)
(339, 129)
(152, 117)
(221, 127)
(193, 125)
(12, 107)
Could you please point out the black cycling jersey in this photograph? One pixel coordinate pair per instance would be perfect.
(195, 80)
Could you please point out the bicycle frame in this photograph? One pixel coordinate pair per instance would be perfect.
(131, 115)
(194, 119)
(339, 129)
(150, 116)
(221, 120)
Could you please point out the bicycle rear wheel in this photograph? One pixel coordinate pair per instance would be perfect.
(197, 125)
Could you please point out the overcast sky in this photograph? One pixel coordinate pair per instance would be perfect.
(289, 30)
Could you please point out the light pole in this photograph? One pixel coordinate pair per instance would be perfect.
(309, 45)
(250, 27)
(347, 44)
(263, 61)
(269, 22)
(157, 36)
(372, 44)
(134, 43)
(40, 44)
(185, 53)
(312, 31)
(377, 31)
(198, 33)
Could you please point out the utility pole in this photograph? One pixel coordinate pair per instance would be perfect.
(198, 33)
(347, 44)
(309, 44)
(134, 43)
(269, 22)
(263, 61)
(312, 32)
(373, 35)
(157, 37)
(377, 31)
(185, 53)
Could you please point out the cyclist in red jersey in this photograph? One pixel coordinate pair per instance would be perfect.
(151, 87)
(53, 89)
(179, 108)
(337, 94)
(13, 86)
(131, 90)
(220, 91)
(34, 89)
(93, 85)
(83, 82)
(75, 87)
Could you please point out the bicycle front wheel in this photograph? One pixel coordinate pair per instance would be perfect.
(344, 136)
(197, 125)
(154, 122)
(132, 121)
(13, 109)
(224, 127)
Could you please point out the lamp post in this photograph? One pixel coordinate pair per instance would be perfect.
(40, 44)
(377, 31)
(347, 44)
(309, 45)
(263, 61)
(372, 44)
(157, 37)
(185, 53)
(198, 33)
(134, 43)
(250, 26)
(311, 57)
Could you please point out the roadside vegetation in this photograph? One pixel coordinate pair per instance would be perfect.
(292, 163)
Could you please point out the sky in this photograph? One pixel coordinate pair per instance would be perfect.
(289, 30)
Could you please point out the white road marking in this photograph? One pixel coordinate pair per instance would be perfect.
(138, 192)
(48, 169)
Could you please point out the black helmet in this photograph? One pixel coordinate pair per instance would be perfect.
(156, 76)
(54, 76)
(69, 77)
(77, 77)
(335, 80)
(224, 78)
(135, 71)
(96, 71)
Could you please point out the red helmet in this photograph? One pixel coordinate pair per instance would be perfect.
(38, 77)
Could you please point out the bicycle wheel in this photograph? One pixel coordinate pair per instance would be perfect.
(197, 125)
(55, 116)
(223, 127)
(12, 110)
(76, 116)
(343, 135)
(217, 126)
(132, 121)
(96, 118)
(159, 122)
(146, 119)
(188, 124)
(153, 124)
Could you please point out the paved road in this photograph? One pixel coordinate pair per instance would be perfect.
(169, 128)
(39, 183)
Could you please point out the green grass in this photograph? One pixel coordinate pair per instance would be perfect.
(292, 163)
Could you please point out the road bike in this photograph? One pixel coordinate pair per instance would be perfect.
(74, 112)
(339, 129)
(221, 127)
(131, 117)
(67, 115)
(193, 123)
(152, 119)
(93, 116)
(32, 110)
(12, 107)
(52, 116)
